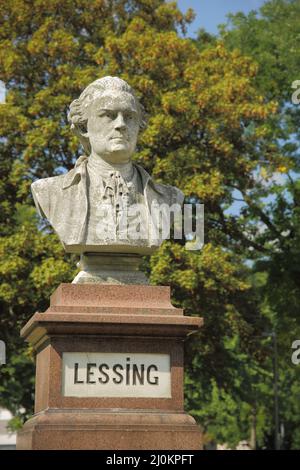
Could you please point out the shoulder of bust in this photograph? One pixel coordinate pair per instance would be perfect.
(44, 184)
(45, 191)
(172, 194)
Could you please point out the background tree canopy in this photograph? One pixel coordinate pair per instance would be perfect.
(223, 129)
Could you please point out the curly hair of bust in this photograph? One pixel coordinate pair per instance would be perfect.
(77, 115)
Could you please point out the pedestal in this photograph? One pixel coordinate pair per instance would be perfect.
(109, 371)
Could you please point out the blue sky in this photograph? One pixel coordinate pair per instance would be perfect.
(210, 13)
(2, 92)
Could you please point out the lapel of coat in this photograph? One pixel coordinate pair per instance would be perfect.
(75, 189)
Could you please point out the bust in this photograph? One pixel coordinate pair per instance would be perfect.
(105, 203)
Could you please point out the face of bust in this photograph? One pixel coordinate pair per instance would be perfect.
(113, 126)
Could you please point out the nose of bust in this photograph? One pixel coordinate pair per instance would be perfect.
(120, 122)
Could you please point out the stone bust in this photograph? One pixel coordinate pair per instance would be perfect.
(86, 205)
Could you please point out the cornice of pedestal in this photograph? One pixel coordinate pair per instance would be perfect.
(100, 310)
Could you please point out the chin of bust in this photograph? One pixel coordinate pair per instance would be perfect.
(117, 157)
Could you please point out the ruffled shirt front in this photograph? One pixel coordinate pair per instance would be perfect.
(117, 209)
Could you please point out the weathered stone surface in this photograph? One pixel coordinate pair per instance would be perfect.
(107, 430)
(110, 268)
(106, 203)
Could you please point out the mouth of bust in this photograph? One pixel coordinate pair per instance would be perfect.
(118, 137)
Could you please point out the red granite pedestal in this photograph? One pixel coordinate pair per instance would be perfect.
(95, 318)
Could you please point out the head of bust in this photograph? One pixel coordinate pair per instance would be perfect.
(107, 117)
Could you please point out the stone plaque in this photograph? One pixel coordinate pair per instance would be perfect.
(116, 375)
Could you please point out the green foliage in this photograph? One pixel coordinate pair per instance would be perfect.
(17, 381)
(226, 419)
(272, 37)
(213, 127)
(272, 40)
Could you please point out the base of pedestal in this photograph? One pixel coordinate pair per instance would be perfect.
(109, 430)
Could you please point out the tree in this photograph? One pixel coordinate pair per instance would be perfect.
(208, 127)
(272, 40)
(46, 59)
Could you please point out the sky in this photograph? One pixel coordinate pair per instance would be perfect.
(2, 92)
(210, 13)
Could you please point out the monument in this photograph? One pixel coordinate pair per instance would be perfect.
(109, 349)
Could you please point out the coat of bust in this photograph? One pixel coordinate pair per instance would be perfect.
(106, 203)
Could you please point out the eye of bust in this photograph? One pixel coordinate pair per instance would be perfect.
(128, 115)
(108, 113)
(112, 114)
